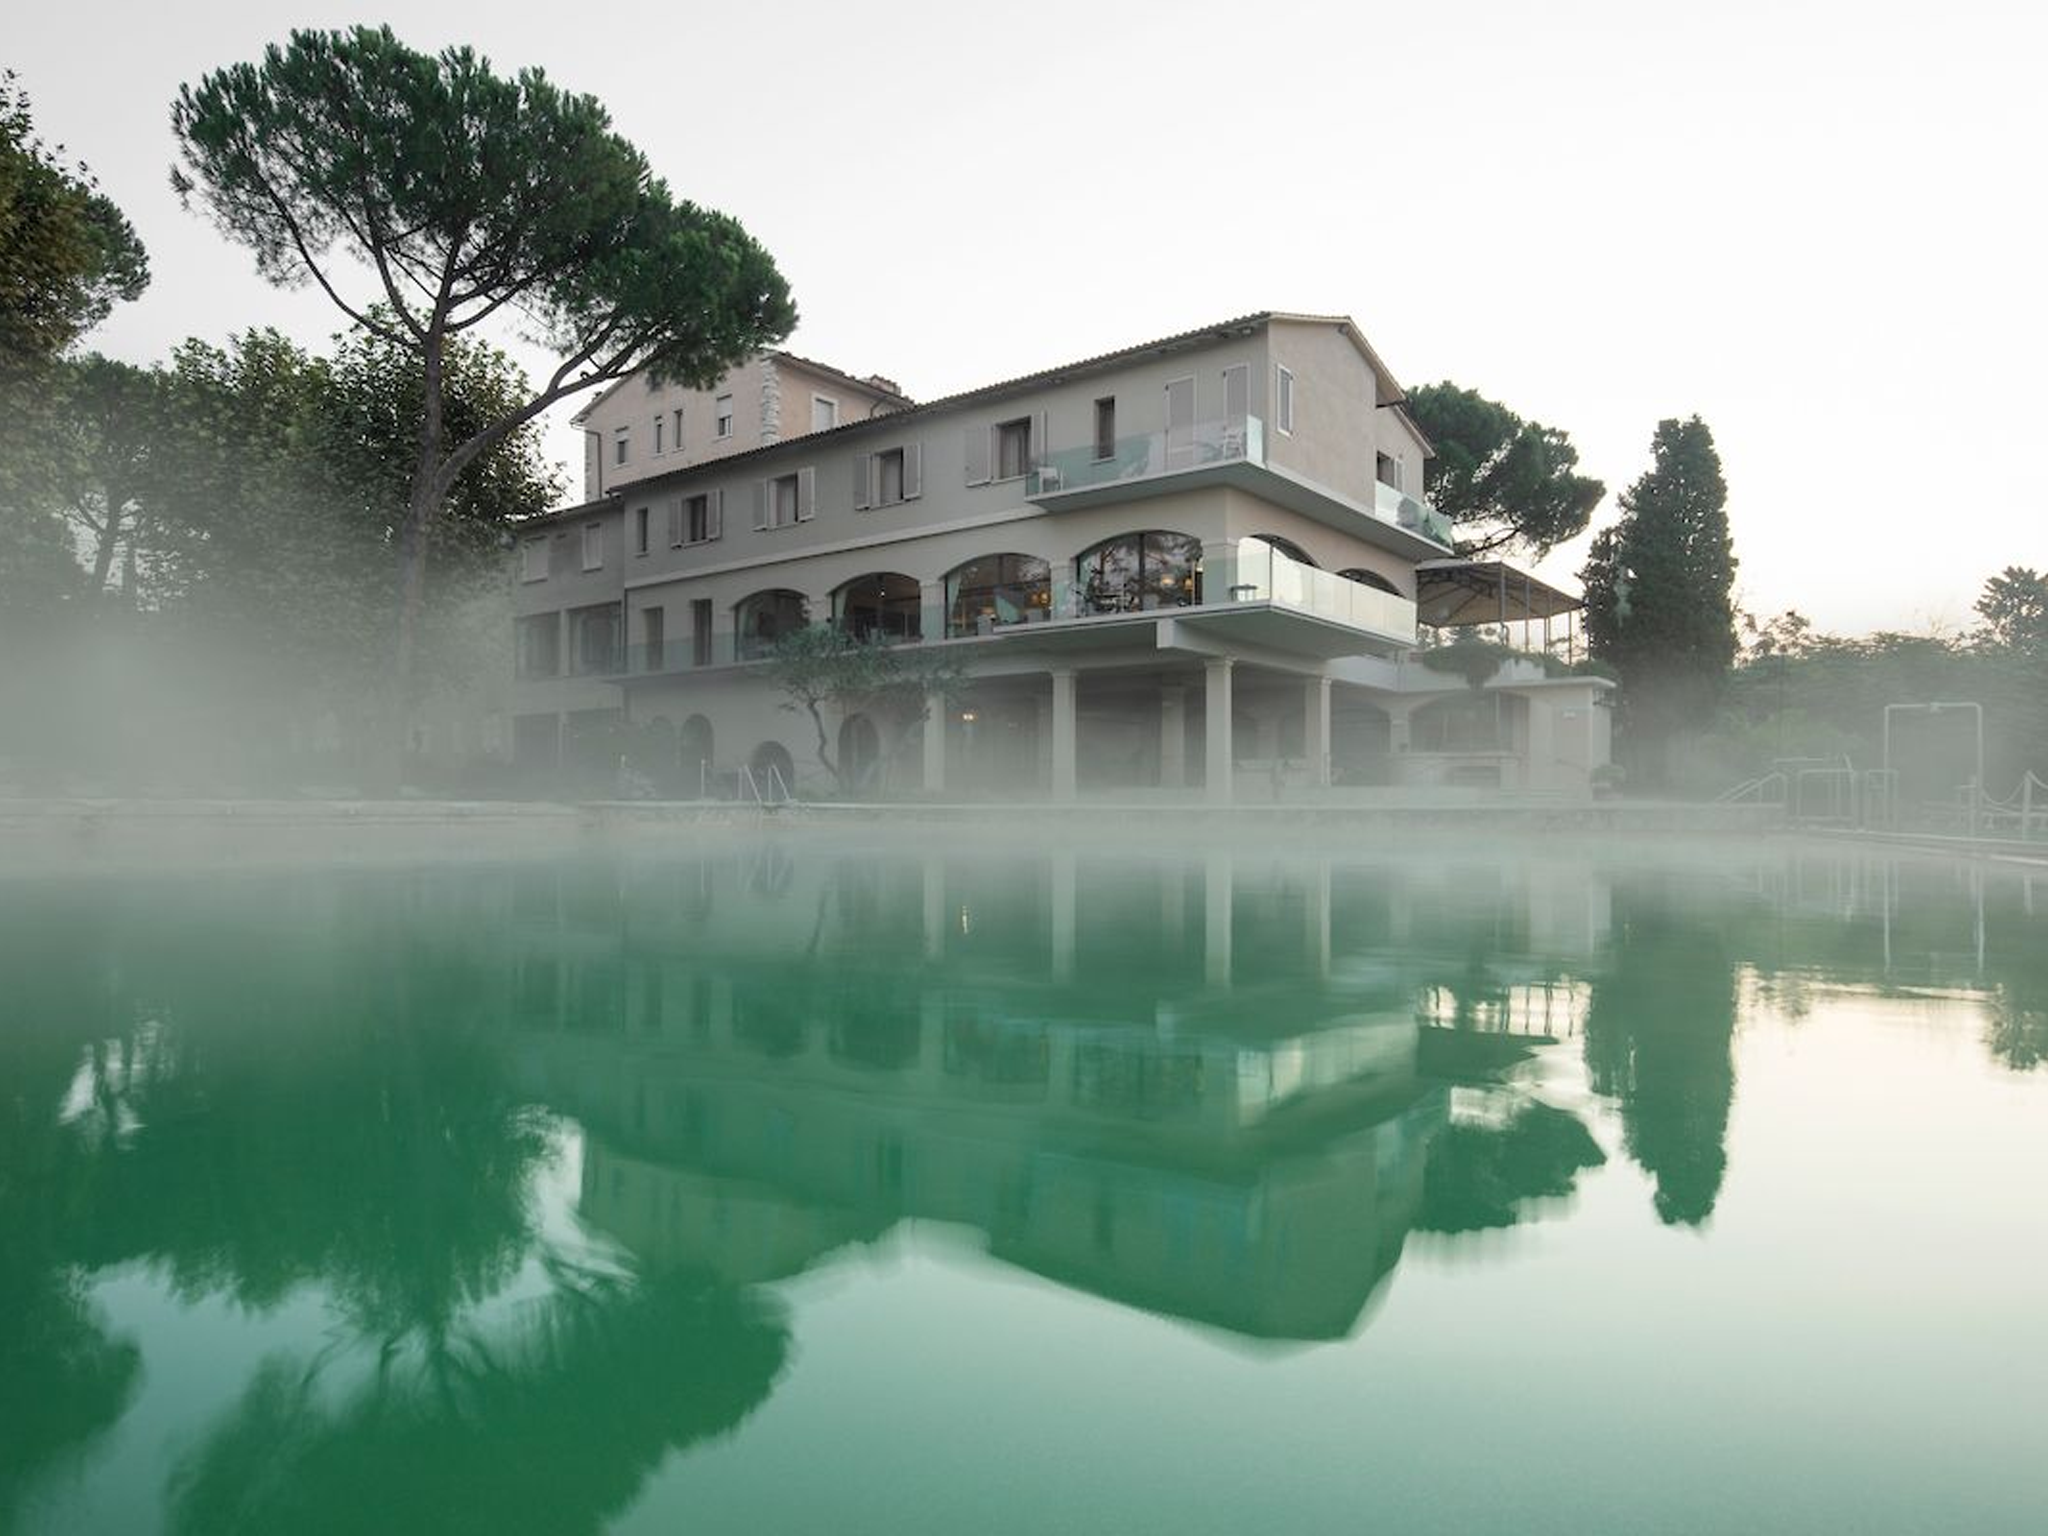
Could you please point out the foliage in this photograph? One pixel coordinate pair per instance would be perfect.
(1501, 480)
(67, 254)
(1803, 693)
(1658, 603)
(821, 666)
(465, 194)
(2014, 607)
(1469, 656)
(1475, 658)
(256, 529)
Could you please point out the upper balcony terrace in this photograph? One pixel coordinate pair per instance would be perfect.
(1230, 452)
(1244, 591)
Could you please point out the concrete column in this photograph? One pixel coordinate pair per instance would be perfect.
(935, 913)
(1315, 730)
(1065, 735)
(1173, 738)
(1218, 881)
(934, 742)
(931, 610)
(1065, 876)
(1316, 919)
(1219, 754)
(1173, 908)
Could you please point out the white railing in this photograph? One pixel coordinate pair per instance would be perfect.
(1266, 575)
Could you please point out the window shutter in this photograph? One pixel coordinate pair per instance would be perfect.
(1041, 442)
(913, 470)
(863, 481)
(762, 491)
(675, 522)
(714, 515)
(980, 440)
(806, 493)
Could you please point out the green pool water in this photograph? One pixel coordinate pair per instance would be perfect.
(794, 1186)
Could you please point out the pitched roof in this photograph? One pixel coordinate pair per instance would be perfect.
(824, 370)
(1389, 391)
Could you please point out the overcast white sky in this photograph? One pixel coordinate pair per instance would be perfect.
(1819, 225)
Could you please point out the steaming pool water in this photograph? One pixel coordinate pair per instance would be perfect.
(789, 1185)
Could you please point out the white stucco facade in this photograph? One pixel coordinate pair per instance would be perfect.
(1185, 568)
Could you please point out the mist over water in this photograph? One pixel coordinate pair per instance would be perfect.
(815, 1181)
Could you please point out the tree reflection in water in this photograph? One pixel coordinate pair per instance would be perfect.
(1182, 1085)
(551, 1426)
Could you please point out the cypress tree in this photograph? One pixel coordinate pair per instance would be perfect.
(1659, 604)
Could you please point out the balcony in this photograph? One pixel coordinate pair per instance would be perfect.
(1233, 453)
(1412, 512)
(1150, 456)
(1264, 575)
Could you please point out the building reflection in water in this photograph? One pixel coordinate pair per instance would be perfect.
(1221, 1088)
(1204, 1087)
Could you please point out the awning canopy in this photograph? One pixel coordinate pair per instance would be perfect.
(1451, 593)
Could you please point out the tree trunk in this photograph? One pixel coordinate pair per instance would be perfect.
(422, 505)
(824, 752)
(387, 768)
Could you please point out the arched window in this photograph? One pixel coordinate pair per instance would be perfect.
(995, 590)
(884, 603)
(1138, 571)
(1371, 579)
(764, 618)
(1287, 547)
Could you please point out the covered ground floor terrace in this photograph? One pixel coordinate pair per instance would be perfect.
(1221, 729)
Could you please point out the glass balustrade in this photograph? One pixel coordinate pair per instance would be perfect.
(1411, 512)
(1149, 454)
(1266, 575)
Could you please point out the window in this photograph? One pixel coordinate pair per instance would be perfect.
(886, 478)
(1371, 579)
(1003, 451)
(659, 426)
(533, 559)
(1013, 448)
(695, 519)
(593, 546)
(997, 590)
(1388, 470)
(784, 500)
(1138, 572)
(824, 414)
(722, 415)
(887, 603)
(1287, 547)
(700, 632)
(676, 424)
(653, 648)
(1105, 427)
(619, 451)
(1283, 400)
(640, 517)
(761, 620)
(594, 639)
(537, 645)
